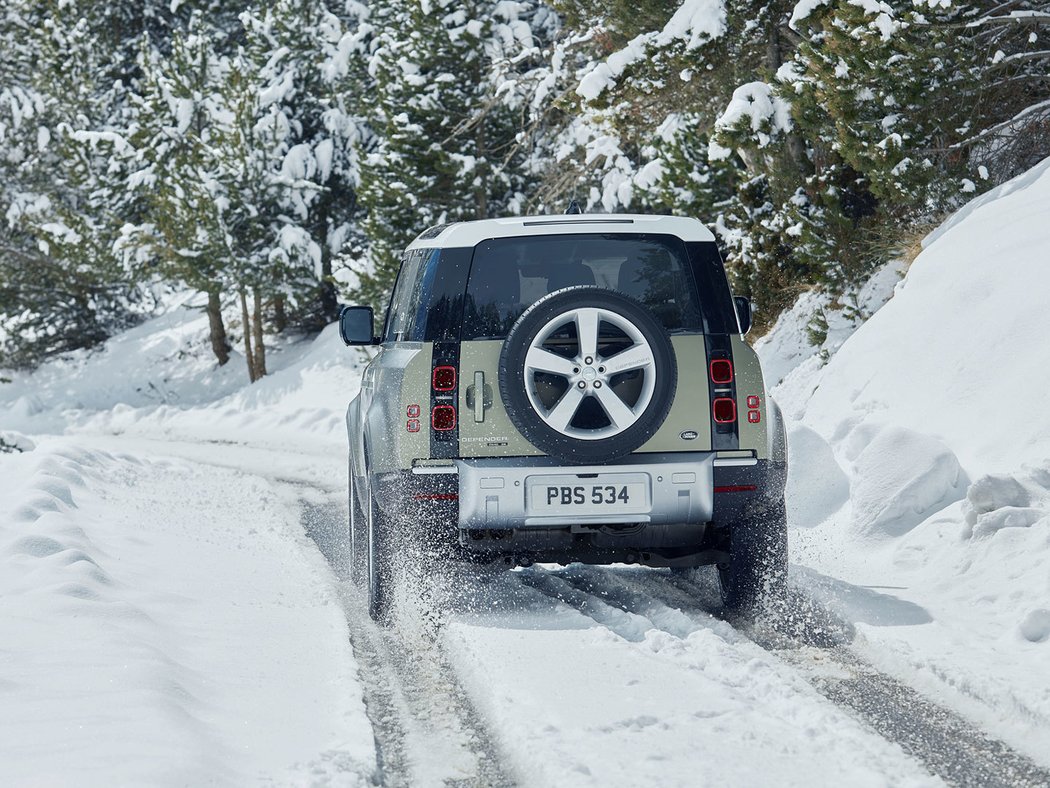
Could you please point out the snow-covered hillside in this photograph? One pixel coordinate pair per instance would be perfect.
(168, 615)
(920, 488)
(160, 378)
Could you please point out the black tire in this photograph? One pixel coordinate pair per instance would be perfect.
(512, 378)
(755, 578)
(358, 537)
(380, 571)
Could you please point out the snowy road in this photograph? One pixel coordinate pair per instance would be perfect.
(576, 676)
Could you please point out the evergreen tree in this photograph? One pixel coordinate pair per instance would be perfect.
(246, 167)
(444, 111)
(61, 288)
(180, 236)
(256, 154)
(878, 87)
(75, 64)
(698, 128)
(303, 60)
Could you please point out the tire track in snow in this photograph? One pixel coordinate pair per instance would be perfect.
(421, 718)
(426, 729)
(627, 624)
(629, 602)
(810, 638)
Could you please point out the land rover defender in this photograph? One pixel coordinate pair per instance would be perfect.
(566, 388)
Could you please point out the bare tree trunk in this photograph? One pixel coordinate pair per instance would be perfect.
(220, 343)
(328, 297)
(775, 57)
(257, 331)
(247, 326)
(482, 193)
(280, 316)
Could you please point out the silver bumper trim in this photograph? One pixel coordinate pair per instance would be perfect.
(492, 492)
(734, 462)
(428, 470)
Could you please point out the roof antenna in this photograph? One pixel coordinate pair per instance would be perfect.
(574, 207)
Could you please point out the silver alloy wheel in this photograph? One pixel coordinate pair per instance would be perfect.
(588, 374)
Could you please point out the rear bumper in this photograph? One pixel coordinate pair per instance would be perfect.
(494, 493)
(452, 506)
(695, 489)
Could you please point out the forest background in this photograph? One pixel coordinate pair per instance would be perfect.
(276, 158)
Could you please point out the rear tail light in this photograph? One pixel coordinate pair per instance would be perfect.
(721, 370)
(444, 378)
(443, 418)
(724, 410)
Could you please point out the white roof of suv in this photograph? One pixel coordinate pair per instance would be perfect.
(468, 234)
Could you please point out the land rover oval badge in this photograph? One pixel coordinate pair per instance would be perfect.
(689, 435)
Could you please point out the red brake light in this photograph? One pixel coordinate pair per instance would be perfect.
(724, 410)
(444, 378)
(443, 418)
(721, 370)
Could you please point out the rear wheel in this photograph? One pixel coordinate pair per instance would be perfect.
(379, 564)
(755, 577)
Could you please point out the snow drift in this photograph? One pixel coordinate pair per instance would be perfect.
(961, 351)
(931, 411)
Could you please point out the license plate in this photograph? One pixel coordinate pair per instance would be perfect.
(625, 493)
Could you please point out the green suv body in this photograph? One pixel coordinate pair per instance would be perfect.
(557, 389)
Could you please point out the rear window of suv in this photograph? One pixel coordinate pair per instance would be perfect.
(510, 274)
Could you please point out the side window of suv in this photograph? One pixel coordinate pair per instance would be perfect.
(427, 302)
(408, 298)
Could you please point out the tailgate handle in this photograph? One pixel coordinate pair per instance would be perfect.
(476, 403)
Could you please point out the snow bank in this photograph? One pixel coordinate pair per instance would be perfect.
(301, 405)
(197, 642)
(15, 441)
(960, 352)
(939, 387)
(161, 379)
(165, 360)
(814, 315)
(900, 478)
(819, 487)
